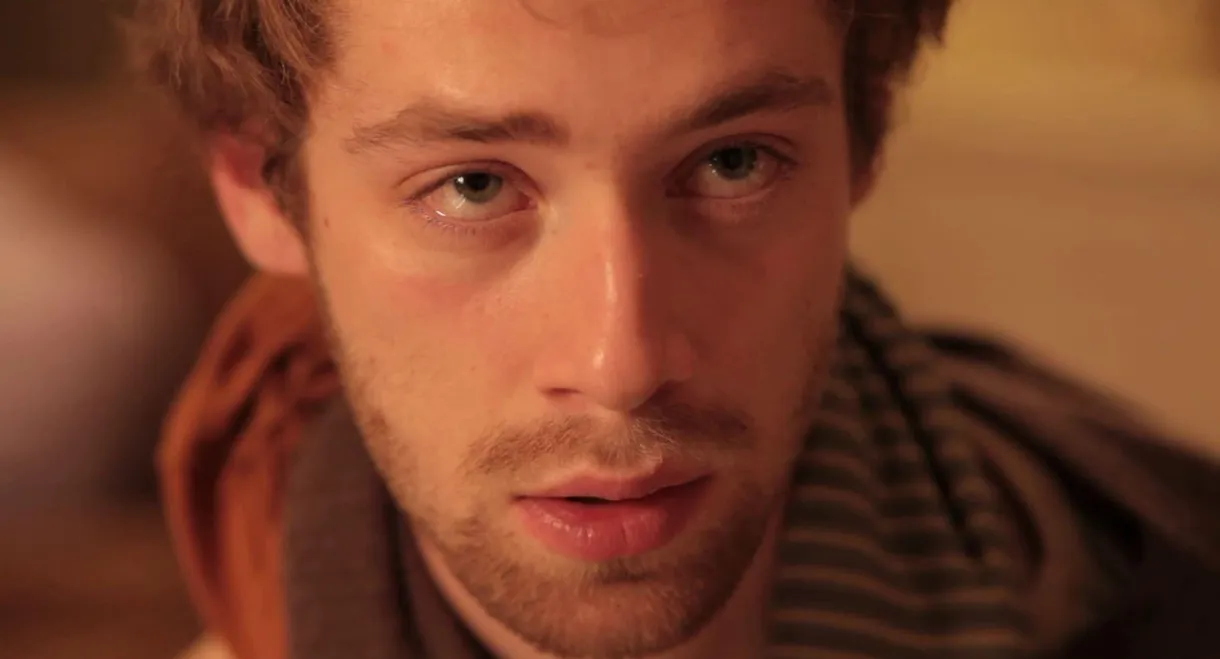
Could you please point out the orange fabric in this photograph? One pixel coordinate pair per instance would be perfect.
(265, 368)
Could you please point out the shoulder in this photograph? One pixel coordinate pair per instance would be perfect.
(1120, 473)
(1169, 485)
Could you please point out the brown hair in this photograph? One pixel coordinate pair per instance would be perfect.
(248, 65)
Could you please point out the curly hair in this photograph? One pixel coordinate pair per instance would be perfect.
(231, 64)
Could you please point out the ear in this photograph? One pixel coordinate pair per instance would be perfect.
(267, 237)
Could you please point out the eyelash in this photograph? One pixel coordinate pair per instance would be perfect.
(415, 200)
(785, 164)
(782, 158)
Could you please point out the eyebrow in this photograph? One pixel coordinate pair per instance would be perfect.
(431, 121)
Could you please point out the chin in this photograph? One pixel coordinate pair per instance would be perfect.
(623, 607)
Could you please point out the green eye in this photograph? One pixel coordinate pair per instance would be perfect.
(477, 187)
(474, 196)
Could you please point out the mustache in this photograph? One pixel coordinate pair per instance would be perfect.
(661, 429)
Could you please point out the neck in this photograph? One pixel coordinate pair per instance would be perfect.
(737, 630)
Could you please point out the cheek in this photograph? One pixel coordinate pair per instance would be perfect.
(427, 352)
(393, 315)
(439, 345)
(775, 311)
(787, 271)
(375, 273)
(416, 356)
(804, 273)
(384, 290)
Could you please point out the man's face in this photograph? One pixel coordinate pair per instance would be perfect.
(576, 244)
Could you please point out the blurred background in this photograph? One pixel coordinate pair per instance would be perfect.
(1055, 178)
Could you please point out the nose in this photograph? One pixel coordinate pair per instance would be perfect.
(616, 334)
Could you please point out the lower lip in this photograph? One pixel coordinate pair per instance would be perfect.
(605, 531)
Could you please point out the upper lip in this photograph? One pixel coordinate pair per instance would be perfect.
(619, 489)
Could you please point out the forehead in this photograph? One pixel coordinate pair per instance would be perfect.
(575, 57)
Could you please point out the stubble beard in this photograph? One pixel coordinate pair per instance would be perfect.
(616, 609)
(625, 607)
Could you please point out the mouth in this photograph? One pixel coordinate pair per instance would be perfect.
(593, 519)
(590, 500)
(597, 490)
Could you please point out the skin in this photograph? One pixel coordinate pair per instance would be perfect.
(620, 273)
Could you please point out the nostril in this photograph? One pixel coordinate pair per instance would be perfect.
(562, 394)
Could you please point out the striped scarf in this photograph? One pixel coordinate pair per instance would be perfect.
(896, 543)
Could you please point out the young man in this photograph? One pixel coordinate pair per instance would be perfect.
(557, 353)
